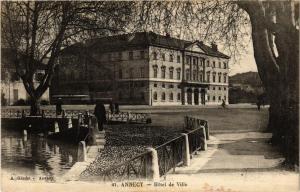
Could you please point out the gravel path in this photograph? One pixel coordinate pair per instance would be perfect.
(124, 142)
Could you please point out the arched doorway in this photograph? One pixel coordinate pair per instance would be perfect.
(189, 96)
(196, 96)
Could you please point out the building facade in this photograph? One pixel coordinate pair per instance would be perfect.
(12, 88)
(144, 68)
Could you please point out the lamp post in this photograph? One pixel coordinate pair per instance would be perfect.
(150, 96)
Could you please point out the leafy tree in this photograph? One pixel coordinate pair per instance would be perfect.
(273, 27)
(36, 32)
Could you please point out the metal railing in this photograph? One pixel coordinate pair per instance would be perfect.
(195, 142)
(51, 113)
(195, 123)
(135, 168)
(14, 113)
(170, 155)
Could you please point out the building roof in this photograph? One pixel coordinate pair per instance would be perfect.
(141, 40)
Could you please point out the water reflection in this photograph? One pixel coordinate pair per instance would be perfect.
(34, 155)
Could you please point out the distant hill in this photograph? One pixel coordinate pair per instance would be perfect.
(250, 78)
(245, 88)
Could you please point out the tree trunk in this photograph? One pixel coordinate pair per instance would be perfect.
(35, 105)
(280, 75)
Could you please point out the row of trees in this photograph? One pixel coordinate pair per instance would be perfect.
(37, 31)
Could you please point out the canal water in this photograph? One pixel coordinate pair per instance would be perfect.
(33, 155)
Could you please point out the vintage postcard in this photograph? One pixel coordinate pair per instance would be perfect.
(150, 96)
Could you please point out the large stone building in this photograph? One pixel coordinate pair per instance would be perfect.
(144, 68)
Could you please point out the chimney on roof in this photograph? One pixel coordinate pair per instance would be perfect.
(168, 35)
(214, 46)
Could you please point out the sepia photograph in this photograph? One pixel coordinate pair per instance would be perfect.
(150, 96)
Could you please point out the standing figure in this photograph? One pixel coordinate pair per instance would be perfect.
(59, 106)
(111, 107)
(258, 103)
(117, 110)
(100, 114)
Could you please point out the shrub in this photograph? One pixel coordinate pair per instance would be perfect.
(20, 102)
(44, 102)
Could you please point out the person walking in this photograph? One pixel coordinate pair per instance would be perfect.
(100, 114)
(223, 103)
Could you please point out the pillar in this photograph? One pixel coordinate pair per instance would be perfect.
(70, 123)
(153, 165)
(203, 138)
(185, 96)
(207, 130)
(193, 96)
(81, 153)
(56, 127)
(94, 129)
(186, 150)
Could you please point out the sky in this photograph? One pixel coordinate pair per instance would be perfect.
(245, 64)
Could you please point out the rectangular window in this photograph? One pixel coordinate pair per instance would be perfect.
(142, 54)
(207, 64)
(178, 74)
(208, 77)
(214, 64)
(171, 74)
(163, 72)
(120, 74)
(219, 64)
(155, 85)
(142, 73)
(224, 65)
(163, 57)
(219, 78)
(130, 54)
(178, 96)
(188, 60)
(178, 58)
(155, 72)
(163, 85)
(171, 58)
(131, 73)
(154, 56)
(120, 56)
(200, 77)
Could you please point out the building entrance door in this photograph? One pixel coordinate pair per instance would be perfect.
(196, 96)
(203, 96)
(189, 96)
